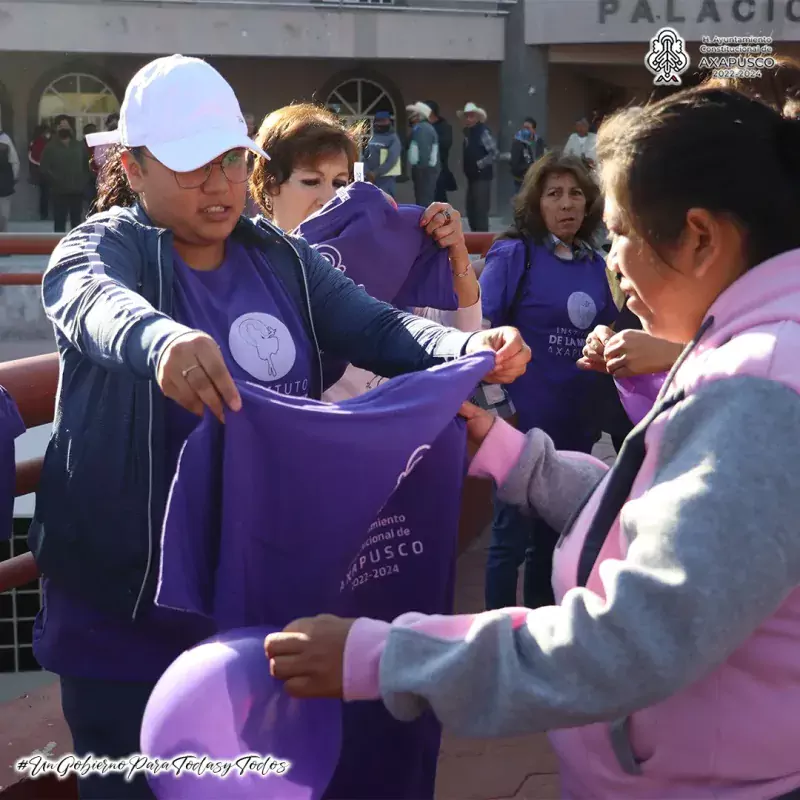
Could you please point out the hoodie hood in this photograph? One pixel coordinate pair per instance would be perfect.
(382, 248)
(752, 328)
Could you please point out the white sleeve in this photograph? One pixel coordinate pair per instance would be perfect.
(465, 319)
(570, 148)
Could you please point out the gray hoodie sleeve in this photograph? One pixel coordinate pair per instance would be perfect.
(714, 551)
(551, 484)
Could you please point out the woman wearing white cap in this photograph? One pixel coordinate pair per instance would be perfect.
(148, 298)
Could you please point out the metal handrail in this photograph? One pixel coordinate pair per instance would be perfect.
(32, 383)
(37, 244)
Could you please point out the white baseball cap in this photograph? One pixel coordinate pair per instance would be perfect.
(183, 111)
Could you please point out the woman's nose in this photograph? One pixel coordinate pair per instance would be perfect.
(326, 194)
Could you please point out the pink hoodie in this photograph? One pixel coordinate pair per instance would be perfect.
(671, 666)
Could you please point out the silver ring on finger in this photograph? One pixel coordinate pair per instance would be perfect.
(189, 369)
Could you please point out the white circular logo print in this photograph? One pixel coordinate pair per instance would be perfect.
(581, 310)
(262, 345)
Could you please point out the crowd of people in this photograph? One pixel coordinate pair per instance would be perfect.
(659, 639)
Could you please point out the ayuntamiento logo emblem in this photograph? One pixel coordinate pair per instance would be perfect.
(667, 58)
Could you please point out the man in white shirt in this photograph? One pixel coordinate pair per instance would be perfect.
(582, 144)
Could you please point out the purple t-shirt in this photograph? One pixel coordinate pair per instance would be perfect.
(382, 248)
(295, 508)
(11, 426)
(562, 301)
(248, 312)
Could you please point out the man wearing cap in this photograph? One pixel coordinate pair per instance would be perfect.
(164, 303)
(480, 152)
(382, 154)
(423, 153)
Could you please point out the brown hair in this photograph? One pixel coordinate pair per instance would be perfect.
(528, 220)
(774, 87)
(113, 188)
(711, 148)
(298, 135)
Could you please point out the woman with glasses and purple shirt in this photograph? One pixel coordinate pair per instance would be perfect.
(149, 300)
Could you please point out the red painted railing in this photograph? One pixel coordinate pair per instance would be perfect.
(32, 383)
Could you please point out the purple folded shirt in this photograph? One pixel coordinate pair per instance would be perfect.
(382, 248)
(11, 426)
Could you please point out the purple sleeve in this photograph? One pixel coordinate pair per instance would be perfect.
(497, 277)
(11, 426)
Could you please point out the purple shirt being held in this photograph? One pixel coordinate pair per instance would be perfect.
(246, 309)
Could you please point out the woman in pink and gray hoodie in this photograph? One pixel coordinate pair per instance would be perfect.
(670, 667)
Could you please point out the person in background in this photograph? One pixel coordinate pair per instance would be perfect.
(480, 153)
(383, 154)
(9, 174)
(526, 148)
(423, 154)
(41, 136)
(250, 121)
(543, 276)
(147, 302)
(583, 144)
(65, 165)
(99, 153)
(671, 667)
(446, 182)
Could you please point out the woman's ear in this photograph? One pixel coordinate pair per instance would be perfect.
(134, 171)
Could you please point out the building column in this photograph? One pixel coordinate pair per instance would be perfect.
(523, 93)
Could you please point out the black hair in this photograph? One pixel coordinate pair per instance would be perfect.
(711, 148)
(531, 120)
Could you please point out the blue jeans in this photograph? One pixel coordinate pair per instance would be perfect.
(105, 718)
(516, 539)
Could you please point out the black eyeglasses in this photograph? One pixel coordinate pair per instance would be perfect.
(235, 166)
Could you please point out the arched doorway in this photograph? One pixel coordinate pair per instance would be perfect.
(84, 98)
(358, 99)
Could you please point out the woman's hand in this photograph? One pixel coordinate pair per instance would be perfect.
(594, 350)
(309, 655)
(193, 373)
(443, 223)
(629, 353)
(511, 353)
(479, 422)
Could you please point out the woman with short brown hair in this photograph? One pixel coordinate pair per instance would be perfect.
(543, 276)
(312, 156)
